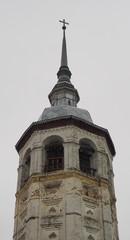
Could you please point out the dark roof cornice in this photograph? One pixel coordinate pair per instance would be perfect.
(65, 121)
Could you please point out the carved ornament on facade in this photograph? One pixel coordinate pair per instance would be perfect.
(52, 185)
(53, 221)
(90, 202)
(90, 237)
(35, 193)
(90, 191)
(75, 133)
(52, 235)
(52, 210)
(58, 130)
(89, 212)
(90, 222)
(23, 203)
(52, 201)
(24, 198)
(92, 230)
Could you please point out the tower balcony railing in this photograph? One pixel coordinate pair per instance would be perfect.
(89, 171)
(54, 164)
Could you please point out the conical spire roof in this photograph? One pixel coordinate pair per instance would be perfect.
(64, 97)
(64, 69)
(64, 84)
(64, 60)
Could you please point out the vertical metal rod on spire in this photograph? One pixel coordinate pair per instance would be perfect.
(64, 61)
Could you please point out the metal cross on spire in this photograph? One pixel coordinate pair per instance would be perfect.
(64, 24)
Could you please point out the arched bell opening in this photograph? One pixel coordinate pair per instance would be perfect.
(54, 152)
(87, 157)
(26, 167)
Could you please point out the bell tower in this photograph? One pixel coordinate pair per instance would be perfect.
(65, 188)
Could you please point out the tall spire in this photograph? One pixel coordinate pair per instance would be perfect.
(64, 60)
(64, 70)
(64, 92)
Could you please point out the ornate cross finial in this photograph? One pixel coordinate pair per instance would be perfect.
(64, 24)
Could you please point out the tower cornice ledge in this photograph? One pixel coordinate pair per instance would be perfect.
(65, 121)
(56, 176)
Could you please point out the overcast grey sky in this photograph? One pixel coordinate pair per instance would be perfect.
(98, 43)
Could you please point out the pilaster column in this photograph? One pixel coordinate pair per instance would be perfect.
(36, 160)
(19, 182)
(101, 159)
(71, 155)
(43, 158)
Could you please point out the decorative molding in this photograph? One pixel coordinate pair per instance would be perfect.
(62, 122)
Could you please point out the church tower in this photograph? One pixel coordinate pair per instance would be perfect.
(65, 188)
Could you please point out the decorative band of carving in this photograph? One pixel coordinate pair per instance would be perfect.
(60, 176)
(50, 225)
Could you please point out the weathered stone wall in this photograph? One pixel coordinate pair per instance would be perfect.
(66, 204)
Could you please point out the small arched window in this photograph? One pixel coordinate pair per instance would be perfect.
(85, 155)
(26, 168)
(54, 157)
(69, 102)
